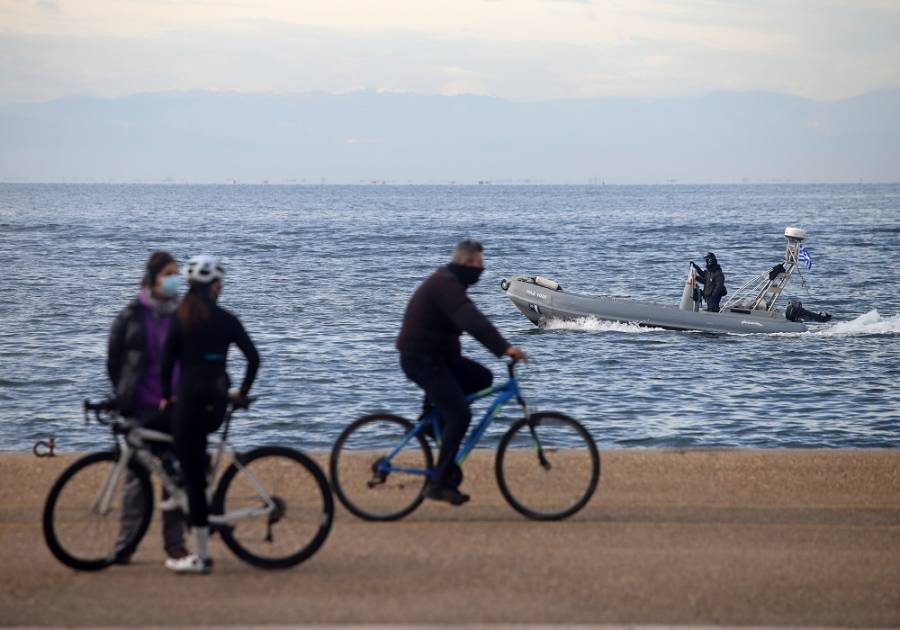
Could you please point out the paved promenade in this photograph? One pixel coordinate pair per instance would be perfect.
(695, 537)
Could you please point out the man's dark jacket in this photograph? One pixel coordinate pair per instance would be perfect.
(438, 312)
(713, 280)
(126, 354)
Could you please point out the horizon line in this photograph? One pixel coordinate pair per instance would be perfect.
(448, 184)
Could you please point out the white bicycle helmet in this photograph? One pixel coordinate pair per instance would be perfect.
(204, 269)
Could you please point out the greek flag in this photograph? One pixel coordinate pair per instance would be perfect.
(804, 257)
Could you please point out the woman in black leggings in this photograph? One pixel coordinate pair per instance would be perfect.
(199, 338)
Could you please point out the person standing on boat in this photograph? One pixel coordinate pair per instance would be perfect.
(713, 280)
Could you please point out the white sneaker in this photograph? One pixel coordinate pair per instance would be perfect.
(189, 564)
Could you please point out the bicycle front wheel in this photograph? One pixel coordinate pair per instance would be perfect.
(547, 466)
(370, 483)
(84, 524)
(273, 507)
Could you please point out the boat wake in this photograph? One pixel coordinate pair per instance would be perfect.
(592, 324)
(871, 323)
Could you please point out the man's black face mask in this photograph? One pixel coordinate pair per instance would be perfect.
(467, 275)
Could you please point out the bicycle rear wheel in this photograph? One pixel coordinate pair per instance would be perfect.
(365, 482)
(83, 513)
(290, 529)
(547, 466)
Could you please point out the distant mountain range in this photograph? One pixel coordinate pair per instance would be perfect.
(407, 138)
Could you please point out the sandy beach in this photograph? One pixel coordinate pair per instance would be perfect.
(723, 537)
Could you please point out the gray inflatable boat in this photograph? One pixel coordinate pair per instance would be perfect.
(752, 308)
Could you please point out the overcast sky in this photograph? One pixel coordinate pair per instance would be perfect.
(515, 49)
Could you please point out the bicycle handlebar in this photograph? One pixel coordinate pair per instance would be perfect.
(109, 405)
(511, 364)
(104, 406)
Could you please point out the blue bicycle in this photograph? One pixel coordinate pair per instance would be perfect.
(547, 464)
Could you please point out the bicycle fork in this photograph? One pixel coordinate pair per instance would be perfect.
(545, 463)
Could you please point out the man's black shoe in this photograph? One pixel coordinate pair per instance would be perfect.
(448, 495)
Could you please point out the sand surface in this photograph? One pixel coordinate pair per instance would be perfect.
(671, 537)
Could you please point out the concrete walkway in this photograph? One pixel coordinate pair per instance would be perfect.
(713, 537)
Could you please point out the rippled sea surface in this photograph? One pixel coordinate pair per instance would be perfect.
(320, 277)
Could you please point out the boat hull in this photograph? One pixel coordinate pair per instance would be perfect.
(540, 304)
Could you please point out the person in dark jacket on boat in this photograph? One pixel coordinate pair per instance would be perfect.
(713, 280)
(438, 312)
(133, 363)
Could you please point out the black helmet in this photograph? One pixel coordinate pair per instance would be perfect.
(710, 259)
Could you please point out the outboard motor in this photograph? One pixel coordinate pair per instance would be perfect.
(796, 313)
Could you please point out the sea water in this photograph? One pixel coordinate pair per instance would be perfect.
(320, 276)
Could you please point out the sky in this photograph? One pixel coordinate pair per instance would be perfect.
(521, 50)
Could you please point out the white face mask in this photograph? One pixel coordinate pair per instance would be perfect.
(171, 286)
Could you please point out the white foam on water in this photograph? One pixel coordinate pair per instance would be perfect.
(592, 324)
(871, 323)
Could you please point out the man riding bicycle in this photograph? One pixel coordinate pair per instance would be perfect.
(438, 312)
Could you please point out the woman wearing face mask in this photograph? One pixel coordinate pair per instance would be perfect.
(133, 362)
(199, 339)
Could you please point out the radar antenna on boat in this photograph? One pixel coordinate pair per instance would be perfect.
(762, 292)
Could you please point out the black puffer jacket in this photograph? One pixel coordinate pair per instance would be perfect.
(438, 312)
(713, 280)
(126, 354)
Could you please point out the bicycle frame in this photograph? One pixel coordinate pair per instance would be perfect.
(505, 392)
(131, 444)
(128, 451)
